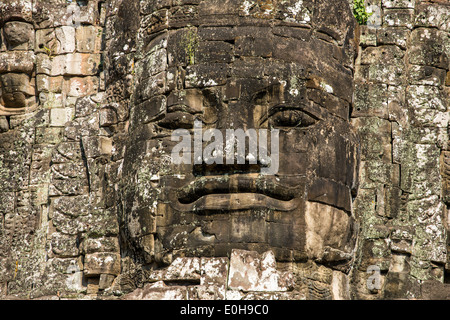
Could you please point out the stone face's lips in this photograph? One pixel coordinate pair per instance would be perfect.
(234, 184)
(234, 192)
(234, 202)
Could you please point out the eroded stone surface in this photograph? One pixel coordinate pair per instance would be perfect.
(91, 90)
(251, 272)
(211, 278)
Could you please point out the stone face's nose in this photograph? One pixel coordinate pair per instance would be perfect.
(234, 151)
(226, 169)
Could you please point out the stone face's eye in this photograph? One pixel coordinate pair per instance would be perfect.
(293, 118)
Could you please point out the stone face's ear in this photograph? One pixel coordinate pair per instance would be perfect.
(340, 27)
(445, 173)
(333, 19)
(18, 35)
(17, 93)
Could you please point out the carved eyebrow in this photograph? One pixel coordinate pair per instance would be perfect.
(260, 94)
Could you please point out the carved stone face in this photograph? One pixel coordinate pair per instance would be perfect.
(16, 91)
(286, 75)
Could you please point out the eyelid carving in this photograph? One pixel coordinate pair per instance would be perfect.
(182, 108)
(289, 117)
(177, 120)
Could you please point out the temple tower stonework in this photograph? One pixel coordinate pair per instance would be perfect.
(95, 96)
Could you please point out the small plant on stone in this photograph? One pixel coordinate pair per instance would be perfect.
(190, 44)
(360, 13)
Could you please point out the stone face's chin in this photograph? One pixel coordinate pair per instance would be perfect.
(330, 233)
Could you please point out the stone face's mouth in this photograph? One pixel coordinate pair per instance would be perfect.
(234, 192)
(233, 184)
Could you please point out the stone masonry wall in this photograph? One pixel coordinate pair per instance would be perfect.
(401, 112)
(56, 235)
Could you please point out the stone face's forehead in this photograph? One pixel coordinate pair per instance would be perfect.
(330, 17)
(246, 46)
(306, 69)
(231, 19)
